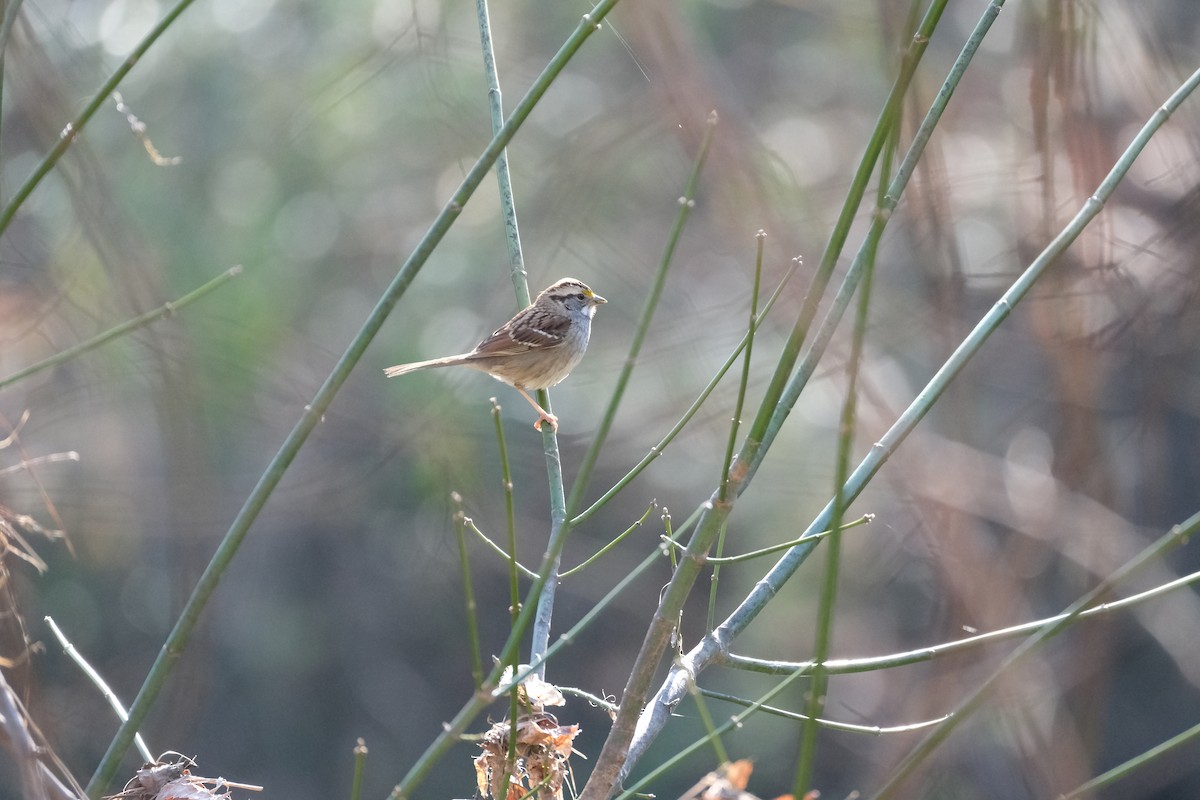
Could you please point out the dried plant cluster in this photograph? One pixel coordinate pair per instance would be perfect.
(536, 760)
(173, 780)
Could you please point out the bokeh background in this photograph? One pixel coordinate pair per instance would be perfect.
(317, 142)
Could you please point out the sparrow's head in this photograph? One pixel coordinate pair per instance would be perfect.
(572, 295)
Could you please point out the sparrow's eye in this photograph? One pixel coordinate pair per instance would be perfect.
(579, 297)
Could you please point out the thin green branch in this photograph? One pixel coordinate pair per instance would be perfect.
(500, 551)
(508, 205)
(162, 312)
(715, 560)
(591, 699)
(360, 766)
(1132, 765)
(608, 547)
(872, 730)
(1172, 538)
(734, 426)
(314, 412)
(669, 538)
(10, 16)
(719, 751)
(510, 517)
(841, 666)
(107, 693)
(723, 492)
(775, 548)
(464, 560)
(815, 705)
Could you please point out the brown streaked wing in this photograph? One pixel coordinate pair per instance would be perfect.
(533, 328)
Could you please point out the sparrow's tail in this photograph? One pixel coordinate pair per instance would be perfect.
(404, 369)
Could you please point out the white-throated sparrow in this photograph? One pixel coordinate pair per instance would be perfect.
(535, 349)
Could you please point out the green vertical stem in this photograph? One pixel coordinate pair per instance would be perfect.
(558, 513)
(510, 757)
(510, 515)
(806, 763)
(714, 735)
(464, 560)
(559, 529)
(718, 550)
(360, 765)
(508, 205)
(10, 16)
(514, 603)
(723, 493)
(735, 423)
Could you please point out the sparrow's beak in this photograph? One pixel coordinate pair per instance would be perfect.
(597, 299)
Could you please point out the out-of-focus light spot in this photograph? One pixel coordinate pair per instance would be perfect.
(1030, 486)
(987, 253)
(238, 16)
(243, 190)
(392, 18)
(307, 226)
(982, 178)
(125, 22)
(146, 599)
(804, 145)
(571, 102)
(452, 330)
